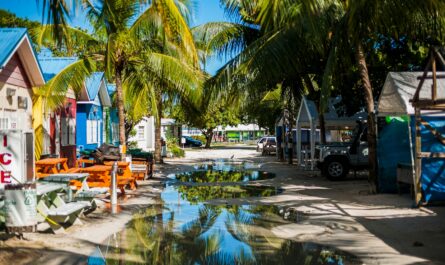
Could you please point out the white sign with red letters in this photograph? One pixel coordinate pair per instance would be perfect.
(12, 157)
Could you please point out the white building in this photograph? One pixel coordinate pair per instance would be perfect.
(145, 132)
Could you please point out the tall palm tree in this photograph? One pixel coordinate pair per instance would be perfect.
(123, 25)
(295, 35)
(410, 19)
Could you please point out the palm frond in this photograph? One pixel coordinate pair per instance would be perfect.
(73, 76)
(224, 38)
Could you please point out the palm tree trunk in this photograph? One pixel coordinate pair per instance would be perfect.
(372, 142)
(158, 143)
(209, 135)
(120, 109)
(322, 124)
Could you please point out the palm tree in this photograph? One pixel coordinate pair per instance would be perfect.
(281, 42)
(296, 35)
(123, 26)
(361, 20)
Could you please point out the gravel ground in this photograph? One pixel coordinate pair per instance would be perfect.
(380, 229)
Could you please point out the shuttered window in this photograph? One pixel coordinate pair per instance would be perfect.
(4, 123)
(92, 131)
(68, 131)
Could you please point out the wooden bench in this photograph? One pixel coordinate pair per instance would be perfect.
(142, 168)
(90, 195)
(66, 215)
(139, 170)
(54, 210)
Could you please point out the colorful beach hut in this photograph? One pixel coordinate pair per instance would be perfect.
(112, 119)
(19, 73)
(59, 137)
(90, 116)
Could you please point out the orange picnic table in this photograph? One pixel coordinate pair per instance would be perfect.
(100, 176)
(49, 166)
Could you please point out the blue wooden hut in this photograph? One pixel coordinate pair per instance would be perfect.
(90, 117)
(112, 119)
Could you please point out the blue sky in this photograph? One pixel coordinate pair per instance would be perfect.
(206, 11)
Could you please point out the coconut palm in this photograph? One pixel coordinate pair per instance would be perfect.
(123, 25)
(361, 20)
(307, 39)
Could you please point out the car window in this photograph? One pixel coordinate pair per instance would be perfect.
(262, 140)
(273, 141)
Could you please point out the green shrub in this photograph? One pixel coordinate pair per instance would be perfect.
(201, 138)
(132, 145)
(174, 148)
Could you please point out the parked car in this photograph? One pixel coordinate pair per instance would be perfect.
(190, 141)
(270, 146)
(337, 158)
(267, 145)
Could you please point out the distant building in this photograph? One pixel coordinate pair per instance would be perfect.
(145, 132)
(239, 133)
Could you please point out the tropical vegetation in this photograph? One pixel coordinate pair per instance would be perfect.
(317, 48)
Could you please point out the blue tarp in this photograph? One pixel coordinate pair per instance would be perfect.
(393, 148)
(433, 169)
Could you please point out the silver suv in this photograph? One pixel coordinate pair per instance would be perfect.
(337, 158)
(267, 145)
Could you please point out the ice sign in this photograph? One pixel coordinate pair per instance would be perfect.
(16, 157)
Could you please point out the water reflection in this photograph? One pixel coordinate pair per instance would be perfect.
(181, 229)
(227, 165)
(217, 175)
(195, 194)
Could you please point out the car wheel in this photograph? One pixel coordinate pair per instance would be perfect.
(335, 168)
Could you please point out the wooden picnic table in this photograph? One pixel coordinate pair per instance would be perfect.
(53, 209)
(79, 180)
(82, 162)
(100, 176)
(124, 172)
(49, 166)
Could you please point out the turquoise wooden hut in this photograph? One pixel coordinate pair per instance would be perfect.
(90, 117)
(112, 119)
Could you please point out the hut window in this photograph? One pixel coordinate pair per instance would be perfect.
(68, 131)
(4, 123)
(115, 131)
(92, 130)
(141, 132)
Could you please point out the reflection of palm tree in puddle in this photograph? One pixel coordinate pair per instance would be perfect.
(219, 234)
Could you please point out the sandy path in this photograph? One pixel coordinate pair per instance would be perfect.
(380, 229)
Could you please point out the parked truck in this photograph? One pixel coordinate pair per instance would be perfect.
(337, 159)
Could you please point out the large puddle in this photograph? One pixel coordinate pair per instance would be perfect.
(223, 171)
(216, 176)
(184, 228)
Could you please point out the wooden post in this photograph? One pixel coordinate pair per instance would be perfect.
(434, 87)
(418, 160)
(298, 143)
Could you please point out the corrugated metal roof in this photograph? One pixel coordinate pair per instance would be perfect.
(9, 39)
(111, 88)
(51, 66)
(93, 84)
